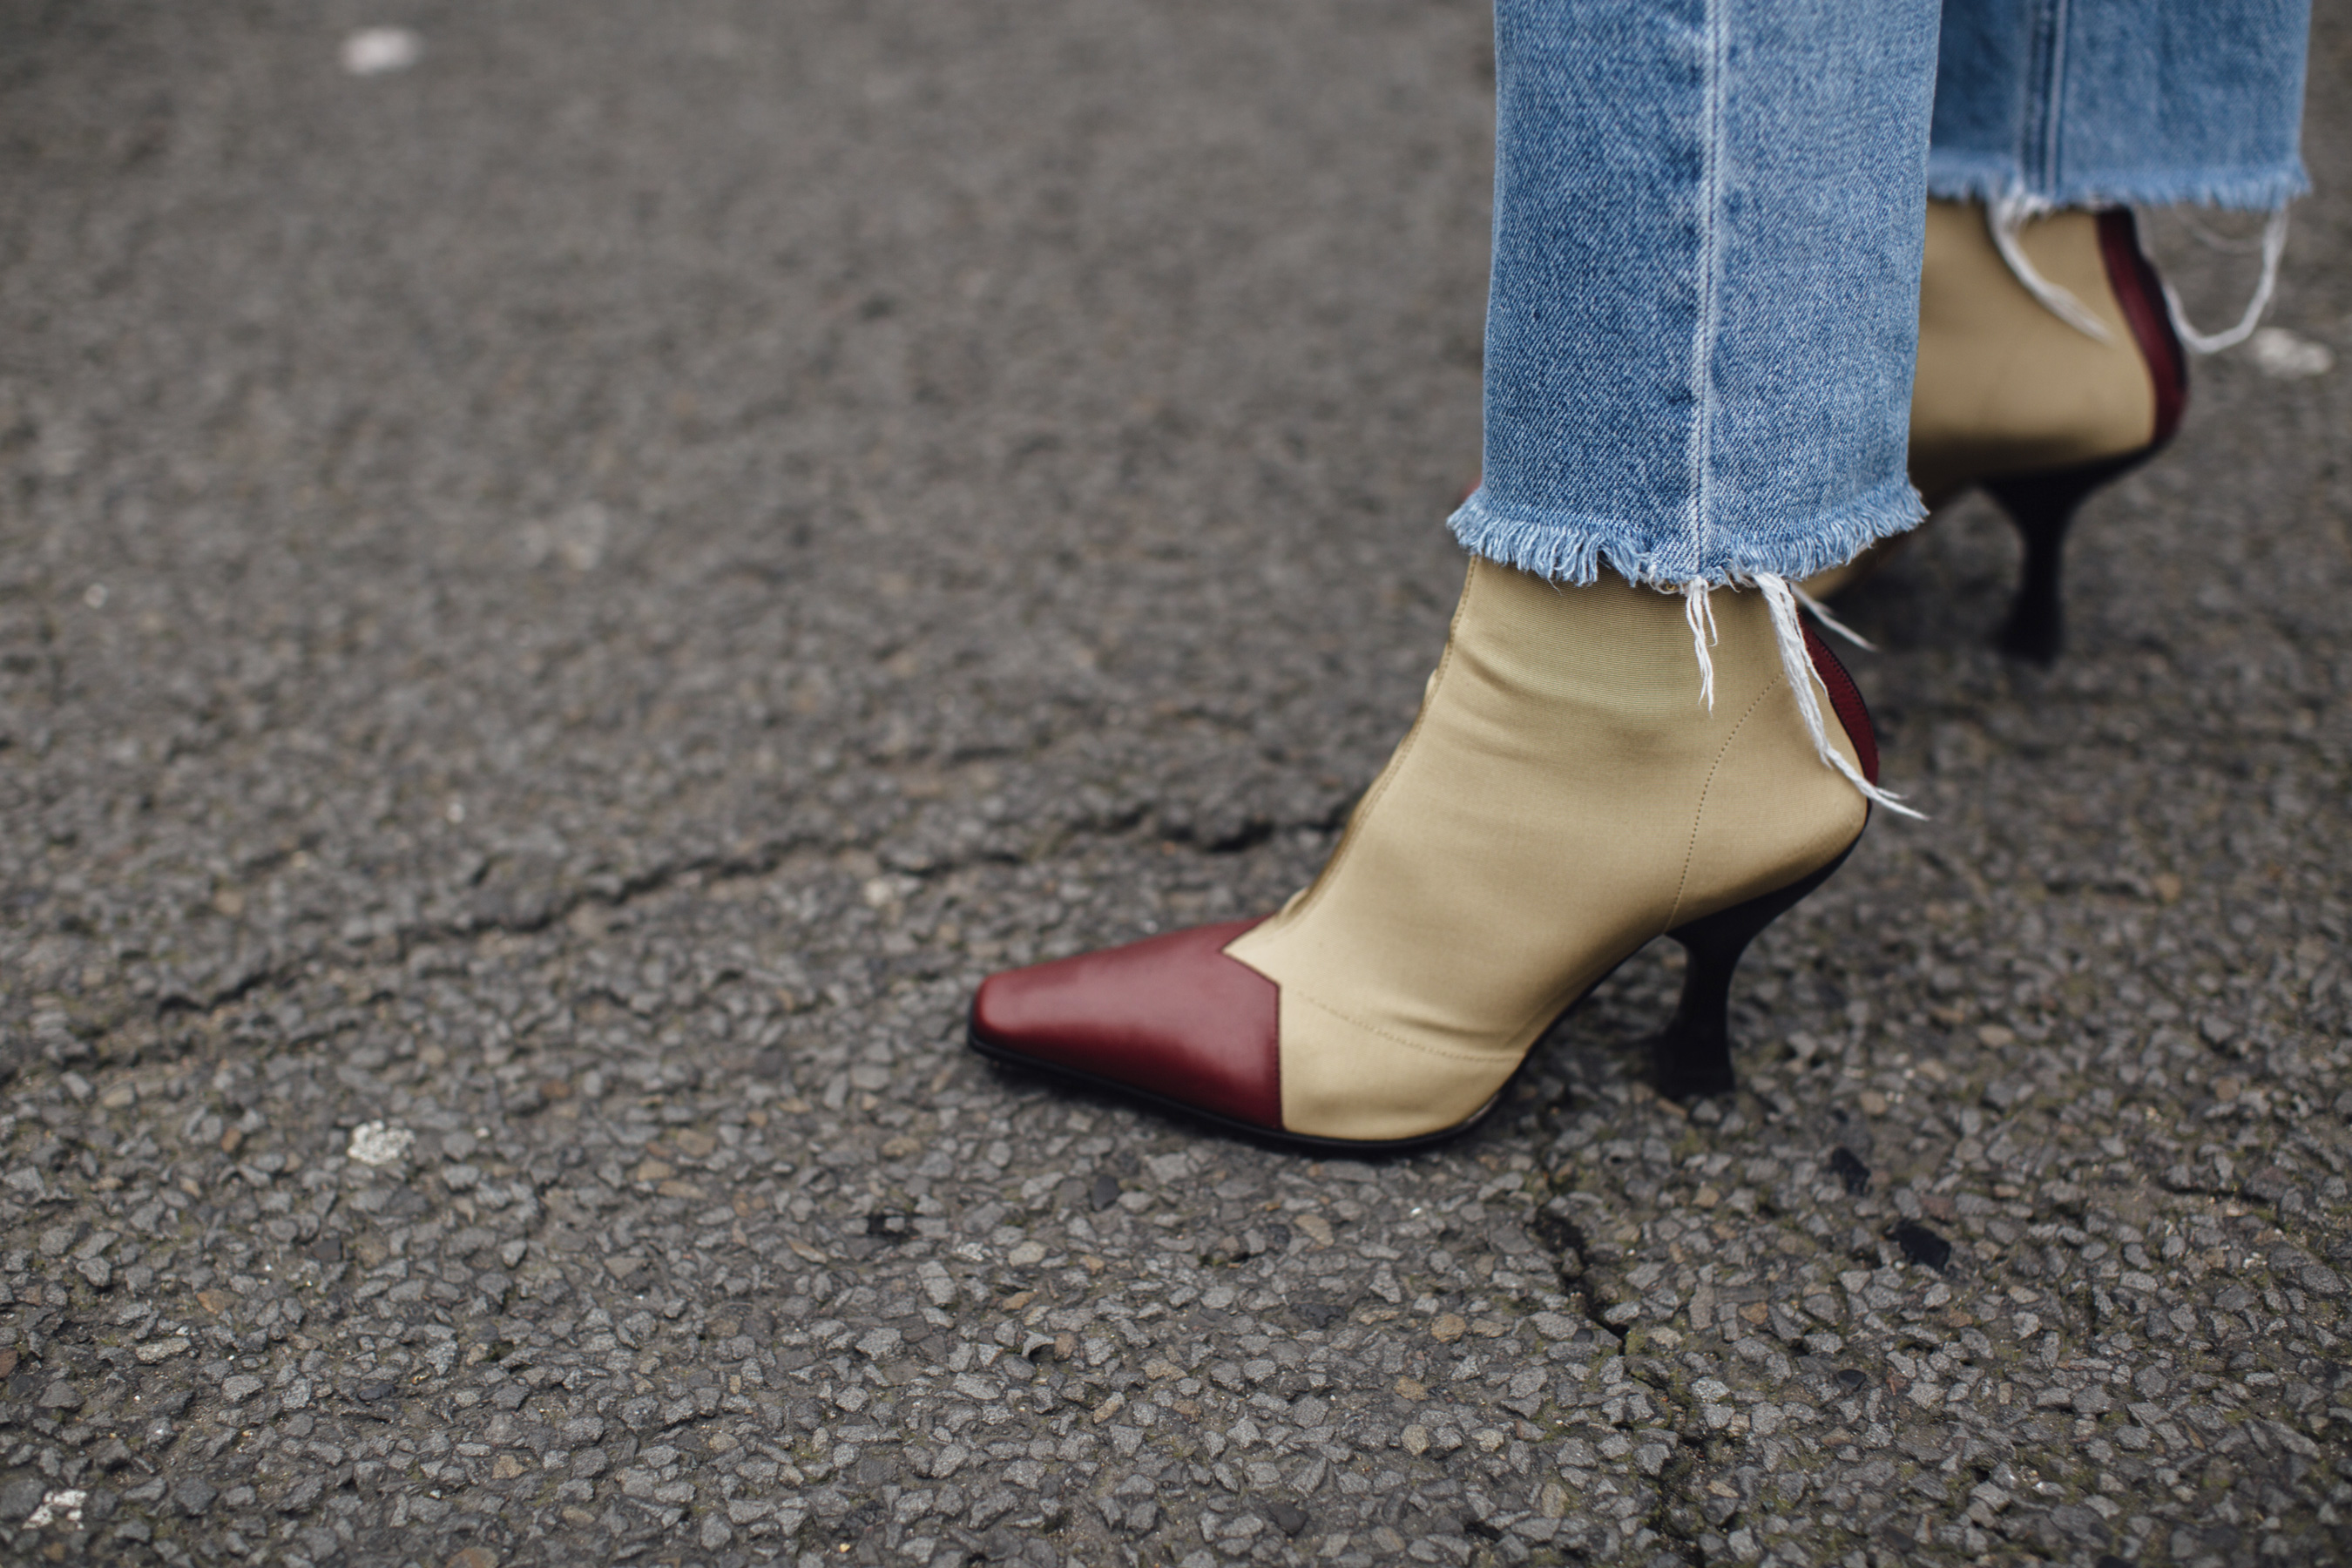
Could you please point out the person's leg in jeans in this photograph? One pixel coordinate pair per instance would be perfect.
(2049, 359)
(1707, 253)
(1699, 347)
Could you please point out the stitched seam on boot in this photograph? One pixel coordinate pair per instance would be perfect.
(1487, 1058)
(1698, 818)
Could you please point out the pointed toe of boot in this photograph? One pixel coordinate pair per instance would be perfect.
(1170, 1018)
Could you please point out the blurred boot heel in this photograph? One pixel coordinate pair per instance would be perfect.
(2042, 507)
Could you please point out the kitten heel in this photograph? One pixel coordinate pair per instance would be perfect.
(1693, 1058)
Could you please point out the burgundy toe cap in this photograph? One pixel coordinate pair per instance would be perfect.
(1171, 1017)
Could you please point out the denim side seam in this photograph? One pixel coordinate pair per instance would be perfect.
(2045, 76)
(1708, 324)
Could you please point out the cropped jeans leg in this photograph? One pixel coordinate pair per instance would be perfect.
(2043, 104)
(2084, 103)
(1703, 309)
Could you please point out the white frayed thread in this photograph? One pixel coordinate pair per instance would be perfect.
(1821, 613)
(2273, 250)
(1700, 611)
(2005, 217)
(1806, 682)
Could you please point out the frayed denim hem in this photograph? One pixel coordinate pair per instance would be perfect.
(1574, 550)
(1961, 178)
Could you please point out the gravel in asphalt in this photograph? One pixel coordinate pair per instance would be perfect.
(562, 602)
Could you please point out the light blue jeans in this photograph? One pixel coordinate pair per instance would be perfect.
(1707, 226)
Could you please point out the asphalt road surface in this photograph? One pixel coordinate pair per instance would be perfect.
(562, 603)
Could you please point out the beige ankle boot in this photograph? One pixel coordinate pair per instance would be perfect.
(1563, 798)
(2041, 403)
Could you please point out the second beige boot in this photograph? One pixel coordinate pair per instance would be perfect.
(2015, 397)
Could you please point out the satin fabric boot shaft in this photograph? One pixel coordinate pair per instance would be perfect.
(1562, 799)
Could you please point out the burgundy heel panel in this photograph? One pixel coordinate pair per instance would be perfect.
(2141, 294)
(1846, 698)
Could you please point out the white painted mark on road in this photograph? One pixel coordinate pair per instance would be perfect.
(2288, 356)
(379, 1143)
(379, 51)
(59, 1508)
